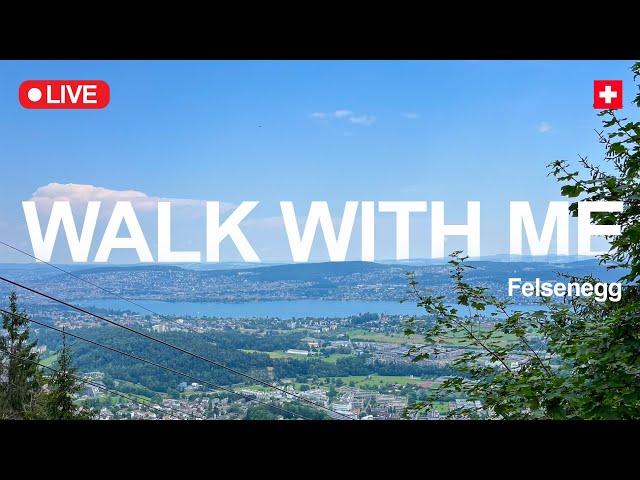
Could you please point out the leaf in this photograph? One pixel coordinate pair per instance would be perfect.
(571, 191)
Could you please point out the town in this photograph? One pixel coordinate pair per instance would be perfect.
(354, 367)
(333, 365)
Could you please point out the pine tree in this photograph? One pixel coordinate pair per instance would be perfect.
(20, 379)
(63, 385)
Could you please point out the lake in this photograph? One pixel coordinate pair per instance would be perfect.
(281, 309)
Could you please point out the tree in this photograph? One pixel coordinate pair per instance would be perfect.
(20, 379)
(574, 359)
(332, 393)
(63, 386)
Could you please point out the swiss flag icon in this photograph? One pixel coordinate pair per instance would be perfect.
(607, 94)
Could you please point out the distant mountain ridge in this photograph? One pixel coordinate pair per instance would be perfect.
(353, 280)
(322, 270)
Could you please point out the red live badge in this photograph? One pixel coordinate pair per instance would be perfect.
(64, 94)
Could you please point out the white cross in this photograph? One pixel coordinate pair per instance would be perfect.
(608, 94)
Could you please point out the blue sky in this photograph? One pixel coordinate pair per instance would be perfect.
(268, 131)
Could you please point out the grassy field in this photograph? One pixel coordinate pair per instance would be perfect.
(280, 354)
(255, 388)
(365, 336)
(48, 361)
(456, 340)
(441, 407)
(374, 381)
(333, 358)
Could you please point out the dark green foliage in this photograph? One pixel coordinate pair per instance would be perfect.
(25, 393)
(224, 348)
(614, 179)
(577, 359)
(364, 318)
(264, 412)
(63, 386)
(20, 379)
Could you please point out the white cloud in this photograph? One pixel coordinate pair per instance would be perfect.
(411, 115)
(363, 120)
(343, 114)
(79, 194)
(544, 127)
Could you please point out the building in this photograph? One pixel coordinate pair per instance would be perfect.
(294, 351)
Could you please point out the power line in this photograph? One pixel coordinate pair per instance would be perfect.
(103, 388)
(213, 362)
(150, 362)
(237, 372)
(162, 342)
(89, 282)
